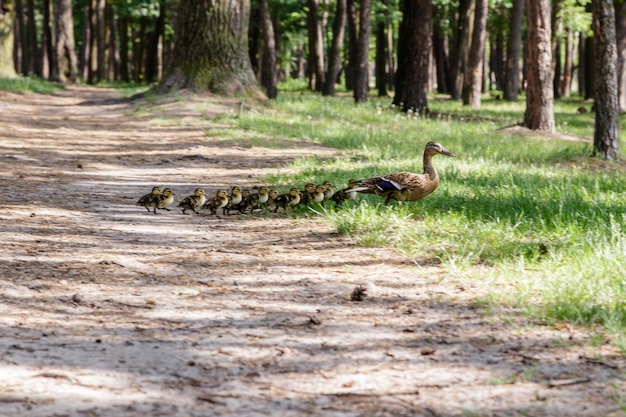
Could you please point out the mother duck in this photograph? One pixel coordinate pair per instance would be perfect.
(406, 186)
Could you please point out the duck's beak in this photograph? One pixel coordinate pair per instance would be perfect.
(447, 153)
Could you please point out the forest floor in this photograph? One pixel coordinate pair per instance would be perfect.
(108, 310)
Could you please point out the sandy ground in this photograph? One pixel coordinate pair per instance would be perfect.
(107, 310)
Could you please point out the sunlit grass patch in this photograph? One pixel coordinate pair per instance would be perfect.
(29, 85)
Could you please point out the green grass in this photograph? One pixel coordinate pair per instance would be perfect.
(537, 218)
(29, 85)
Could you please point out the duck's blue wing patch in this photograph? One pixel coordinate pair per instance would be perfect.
(386, 185)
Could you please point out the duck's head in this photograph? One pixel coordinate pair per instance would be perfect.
(294, 192)
(221, 193)
(156, 190)
(245, 193)
(309, 188)
(236, 190)
(273, 194)
(352, 183)
(320, 189)
(168, 192)
(263, 191)
(328, 185)
(436, 148)
(199, 192)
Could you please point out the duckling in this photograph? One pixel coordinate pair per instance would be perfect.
(258, 199)
(318, 194)
(193, 201)
(234, 199)
(307, 193)
(243, 204)
(149, 200)
(219, 201)
(329, 192)
(271, 204)
(165, 199)
(406, 186)
(346, 193)
(291, 199)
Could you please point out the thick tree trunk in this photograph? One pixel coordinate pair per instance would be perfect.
(334, 56)
(269, 68)
(581, 64)
(620, 33)
(65, 50)
(539, 113)
(7, 19)
(473, 81)
(101, 41)
(514, 46)
(34, 53)
(316, 47)
(361, 76)
(112, 46)
(414, 50)
(460, 46)
(211, 51)
(606, 135)
(21, 40)
(49, 56)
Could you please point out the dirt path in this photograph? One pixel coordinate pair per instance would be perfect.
(106, 310)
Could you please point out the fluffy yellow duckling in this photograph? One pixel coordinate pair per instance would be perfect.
(149, 200)
(258, 199)
(346, 194)
(234, 199)
(289, 200)
(306, 195)
(329, 192)
(165, 199)
(218, 202)
(193, 201)
(243, 204)
(318, 194)
(271, 204)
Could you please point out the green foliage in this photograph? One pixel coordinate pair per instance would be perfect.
(29, 85)
(531, 214)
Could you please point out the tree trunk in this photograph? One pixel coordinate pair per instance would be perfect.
(361, 76)
(65, 50)
(21, 41)
(211, 50)
(92, 77)
(566, 82)
(440, 51)
(589, 63)
(334, 56)
(606, 135)
(153, 59)
(112, 47)
(460, 46)
(316, 47)
(414, 50)
(7, 19)
(514, 46)
(557, 6)
(353, 41)
(49, 56)
(620, 33)
(581, 64)
(34, 53)
(85, 48)
(101, 30)
(473, 80)
(539, 113)
(381, 59)
(269, 68)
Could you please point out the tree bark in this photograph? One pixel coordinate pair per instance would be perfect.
(514, 46)
(49, 66)
(153, 56)
(589, 64)
(269, 68)
(566, 82)
(353, 41)
(440, 51)
(606, 135)
(362, 64)
(414, 50)
(539, 113)
(65, 49)
(473, 80)
(7, 19)
(334, 56)
(316, 47)
(381, 58)
(620, 33)
(460, 46)
(211, 50)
